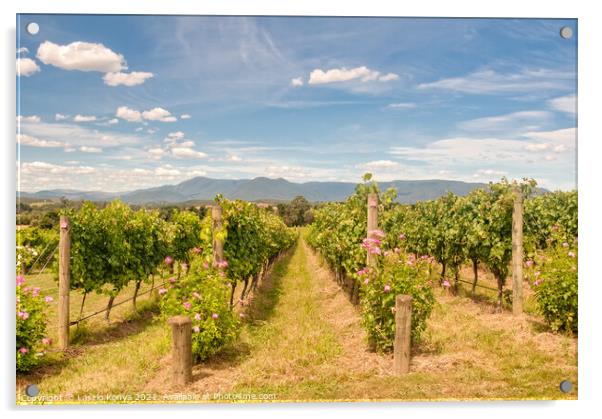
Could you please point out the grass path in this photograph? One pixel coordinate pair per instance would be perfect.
(303, 340)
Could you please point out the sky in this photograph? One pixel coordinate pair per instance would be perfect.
(117, 103)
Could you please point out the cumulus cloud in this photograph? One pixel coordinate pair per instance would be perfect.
(297, 82)
(185, 116)
(523, 120)
(32, 118)
(85, 149)
(26, 67)
(489, 172)
(167, 170)
(567, 104)
(25, 139)
(187, 153)
(60, 117)
(343, 74)
(126, 79)
(128, 114)
(23, 50)
(113, 121)
(82, 56)
(38, 167)
(158, 114)
(84, 118)
(379, 165)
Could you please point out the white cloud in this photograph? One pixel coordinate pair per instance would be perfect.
(38, 167)
(60, 117)
(32, 118)
(187, 144)
(173, 136)
(82, 56)
(138, 129)
(187, 153)
(297, 81)
(85, 149)
(566, 104)
(234, 158)
(26, 67)
(139, 171)
(537, 147)
(128, 114)
(489, 81)
(185, 116)
(23, 50)
(127, 79)
(489, 173)
(24, 139)
(343, 74)
(167, 170)
(402, 105)
(524, 120)
(158, 114)
(156, 153)
(84, 118)
(380, 165)
(113, 121)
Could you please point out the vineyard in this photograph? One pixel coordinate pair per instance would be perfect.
(231, 299)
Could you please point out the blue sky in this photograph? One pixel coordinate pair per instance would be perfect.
(117, 103)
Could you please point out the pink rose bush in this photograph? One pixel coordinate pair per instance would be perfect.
(30, 325)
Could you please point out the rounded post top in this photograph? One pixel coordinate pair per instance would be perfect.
(179, 320)
(403, 299)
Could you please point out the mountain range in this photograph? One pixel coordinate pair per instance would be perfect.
(261, 189)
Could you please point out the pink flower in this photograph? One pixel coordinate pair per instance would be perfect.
(48, 299)
(162, 291)
(196, 250)
(554, 227)
(26, 289)
(222, 264)
(537, 273)
(35, 292)
(197, 316)
(446, 284)
(187, 305)
(64, 224)
(396, 250)
(46, 341)
(374, 251)
(196, 329)
(529, 263)
(387, 253)
(366, 281)
(362, 271)
(571, 254)
(172, 280)
(20, 280)
(168, 260)
(537, 282)
(387, 288)
(205, 265)
(241, 315)
(214, 316)
(23, 350)
(23, 314)
(402, 236)
(565, 244)
(196, 295)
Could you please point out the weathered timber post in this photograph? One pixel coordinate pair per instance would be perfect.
(218, 244)
(372, 223)
(181, 349)
(64, 278)
(403, 334)
(517, 253)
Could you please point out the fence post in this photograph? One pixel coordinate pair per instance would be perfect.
(64, 278)
(372, 222)
(403, 334)
(517, 253)
(181, 353)
(218, 244)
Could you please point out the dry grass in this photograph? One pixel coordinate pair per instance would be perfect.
(303, 341)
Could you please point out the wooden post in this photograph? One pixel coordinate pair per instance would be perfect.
(403, 334)
(64, 278)
(372, 222)
(218, 245)
(181, 353)
(517, 254)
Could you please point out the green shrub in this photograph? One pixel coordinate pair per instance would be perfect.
(30, 325)
(202, 295)
(553, 276)
(395, 274)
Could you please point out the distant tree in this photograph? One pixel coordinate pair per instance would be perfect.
(297, 212)
(50, 219)
(23, 207)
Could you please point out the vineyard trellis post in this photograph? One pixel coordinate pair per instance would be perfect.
(372, 223)
(218, 244)
(181, 354)
(403, 334)
(517, 253)
(64, 279)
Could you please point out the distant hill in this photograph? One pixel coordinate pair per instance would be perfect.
(262, 189)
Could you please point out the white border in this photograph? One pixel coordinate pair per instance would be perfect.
(590, 179)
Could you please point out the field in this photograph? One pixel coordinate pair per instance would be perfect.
(302, 340)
